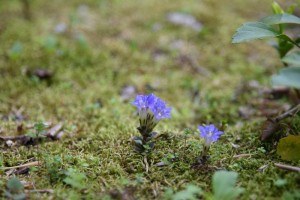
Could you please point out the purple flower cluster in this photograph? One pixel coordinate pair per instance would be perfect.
(151, 110)
(210, 133)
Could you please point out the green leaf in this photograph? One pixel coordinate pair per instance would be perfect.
(289, 77)
(292, 58)
(75, 179)
(276, 8)
(224, 185)
(289, 148)
(254, 30)
(280, 182)
(281, 19)
(190, 193)
(284, 46)
(14, 185)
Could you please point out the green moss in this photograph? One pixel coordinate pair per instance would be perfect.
(116, 48)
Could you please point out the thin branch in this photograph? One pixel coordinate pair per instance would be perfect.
(287, 114)
(243, 155)
(287, 167)
(146, 164)
(35, 163)
(42, 191)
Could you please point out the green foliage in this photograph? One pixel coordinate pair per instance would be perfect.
(289, 148)
(54, 166)
(14, 185)
(295, 195)
(15, 51)
(224, 185)
(292, 59)
(288, 77)
(265, 28)
(75, 179)
(281, 19)
(15, 189)
(280, 182)
(191, 192)
(254, 30)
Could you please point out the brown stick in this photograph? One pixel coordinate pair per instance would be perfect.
(5, 138)
(287, 167)
(287, 114)
(42, 191)
(35, 163)
(243, 155)
(146, 164)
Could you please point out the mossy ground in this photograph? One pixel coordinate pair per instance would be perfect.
(110, 44)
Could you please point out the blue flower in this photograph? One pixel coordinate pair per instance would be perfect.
(151, 110)
(210, 133)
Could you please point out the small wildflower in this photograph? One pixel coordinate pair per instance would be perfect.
(211, 134)
(151, 110)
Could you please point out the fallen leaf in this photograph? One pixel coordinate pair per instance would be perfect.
(289, 147)
(269, 128)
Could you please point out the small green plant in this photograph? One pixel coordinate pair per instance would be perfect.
(75, 179)
(151, 110)
(38, 135)
(274, 27)
(223, 184)
(211, 134)
(14, 190)
(54, 166)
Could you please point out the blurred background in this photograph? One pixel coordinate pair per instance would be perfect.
(64, 60)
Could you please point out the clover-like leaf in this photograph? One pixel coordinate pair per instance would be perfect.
(289, 148)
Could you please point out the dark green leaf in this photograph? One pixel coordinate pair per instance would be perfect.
(292, 58)
(281, 19)
(254, 30)
(288, 77)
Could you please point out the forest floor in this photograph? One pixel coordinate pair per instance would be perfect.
(77, 66)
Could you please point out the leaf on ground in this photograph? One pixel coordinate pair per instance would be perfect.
(269, 127)
(289, 148)
(224, 185)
